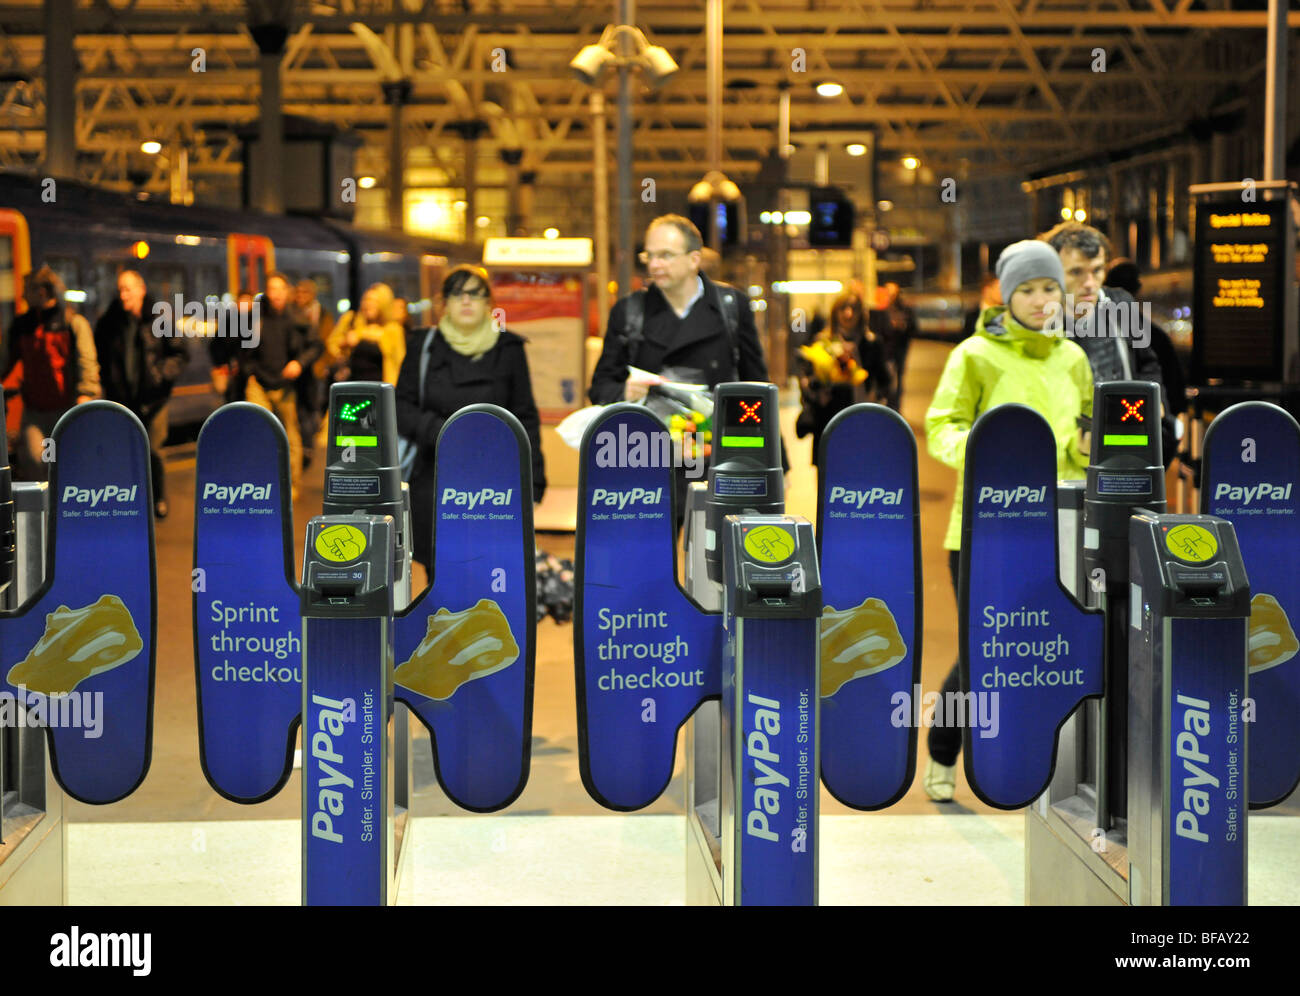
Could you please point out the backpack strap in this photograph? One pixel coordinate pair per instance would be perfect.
(633, 325)
(634, 322)
(730, 308)
(424, 359)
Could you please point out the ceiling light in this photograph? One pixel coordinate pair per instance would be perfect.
(856, 149)
(151, 147)
(829, 89)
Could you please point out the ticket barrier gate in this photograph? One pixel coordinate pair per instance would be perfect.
(366, 656)
(754, 757)
(76, 686)
(1142, 800)
(33, 845)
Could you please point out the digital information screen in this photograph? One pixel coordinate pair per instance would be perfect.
(832, 219)
(744, 422)
(355, 421)
(1124, 421)
(1239, 312)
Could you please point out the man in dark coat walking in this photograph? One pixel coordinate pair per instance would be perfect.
(683, 332)
(691, 329)
(283, 350)
(138, 367)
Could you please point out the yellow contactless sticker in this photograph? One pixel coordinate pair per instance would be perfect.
(770, 544)
(341, 543)
(1191, 543)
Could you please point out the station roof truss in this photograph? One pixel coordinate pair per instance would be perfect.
(969, 86)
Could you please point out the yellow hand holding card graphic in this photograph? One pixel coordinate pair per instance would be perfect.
(76, 644)
(857, 642)
(459, 647)
(1272, 640)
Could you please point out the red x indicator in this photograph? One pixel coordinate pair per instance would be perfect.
(749, 413)
(1132, 408)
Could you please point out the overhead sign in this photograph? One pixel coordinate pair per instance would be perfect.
(1252, 479)
(247, 623)
(1244, 317)
(1029, 654)
(537, 252)
(79, 656)
(868, 533)
(465, 649)
(645, 656)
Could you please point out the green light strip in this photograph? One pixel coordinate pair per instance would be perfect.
(750, 441)
(356, 440)
(1114, 439)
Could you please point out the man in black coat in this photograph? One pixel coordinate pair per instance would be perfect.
(692, 330)
(683, 332)
(1115, 351)
(284, 348)
(138, 366)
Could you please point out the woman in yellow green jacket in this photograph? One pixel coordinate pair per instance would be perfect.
(1016, 355)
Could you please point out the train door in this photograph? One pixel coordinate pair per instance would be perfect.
(250, 259)
(15, 264)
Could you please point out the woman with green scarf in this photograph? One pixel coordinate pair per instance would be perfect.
(471, 360)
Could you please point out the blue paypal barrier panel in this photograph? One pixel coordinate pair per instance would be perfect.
(466, 648)
(869, 538)
(247, 624)
(775, 856)
(645, 655)
(1029, 654)
(1207, 824)
(346, 846)
(1252, 479)
(79, 656)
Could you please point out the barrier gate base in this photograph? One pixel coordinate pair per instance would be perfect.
(703, 782)
(1066, 870)
(33, 831)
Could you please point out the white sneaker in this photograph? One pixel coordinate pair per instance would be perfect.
(939, 781)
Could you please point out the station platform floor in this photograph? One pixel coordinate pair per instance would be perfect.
(958, 852)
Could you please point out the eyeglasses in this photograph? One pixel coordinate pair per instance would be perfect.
(474, 295)
(647, 258)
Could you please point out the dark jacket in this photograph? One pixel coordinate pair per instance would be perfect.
(283, 338)
(895, 326)
(452, 381)
(823, 401)
(159, 358)
(1103, 349)
(700, 342)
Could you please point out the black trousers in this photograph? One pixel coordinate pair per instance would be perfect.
(945, 741)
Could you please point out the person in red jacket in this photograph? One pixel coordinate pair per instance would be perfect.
(60, 369)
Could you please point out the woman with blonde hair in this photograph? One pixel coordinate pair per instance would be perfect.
(843, 364)
(367, 344)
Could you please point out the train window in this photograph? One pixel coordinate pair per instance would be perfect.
(165, 280)
(324, 286)
(69, 270)
(7, 289)
(208, 282)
